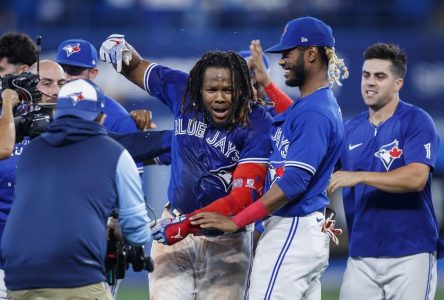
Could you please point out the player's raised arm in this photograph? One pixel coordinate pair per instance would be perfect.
(7, 128)
(125, 59)
(260, 73)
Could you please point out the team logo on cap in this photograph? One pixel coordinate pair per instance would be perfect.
(71, 48)
(388, 153)
(76, 97)
(304, 39)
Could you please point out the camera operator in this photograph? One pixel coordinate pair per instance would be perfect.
(54, 245)
(17, 53)
(52, 78)
(7, 129)
(35, 114)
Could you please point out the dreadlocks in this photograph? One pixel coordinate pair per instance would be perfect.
(242, 91)
(335, 66)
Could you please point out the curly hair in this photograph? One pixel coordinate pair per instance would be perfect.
(18, 48)
(242, 91)
(389, 52)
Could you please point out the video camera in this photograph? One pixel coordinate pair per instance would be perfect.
(31, 117)
(120, 255)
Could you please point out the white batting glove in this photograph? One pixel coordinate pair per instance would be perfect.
(114, 50)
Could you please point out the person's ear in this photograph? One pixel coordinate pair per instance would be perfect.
(23, 68)
(398, 84)
(313, 53)
(93, 73)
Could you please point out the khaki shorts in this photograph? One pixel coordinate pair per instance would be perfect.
(97, 291)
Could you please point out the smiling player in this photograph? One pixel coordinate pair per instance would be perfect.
(390, 151)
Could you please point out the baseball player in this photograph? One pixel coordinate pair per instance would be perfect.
(389, 153)
(78, 59)
(306, 139)
(219, 152)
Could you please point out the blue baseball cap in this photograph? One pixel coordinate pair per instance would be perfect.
(77, 52)
(305, 31)
(80, 98)
(246, 54)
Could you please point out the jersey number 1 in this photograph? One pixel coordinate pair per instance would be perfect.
(428, 151)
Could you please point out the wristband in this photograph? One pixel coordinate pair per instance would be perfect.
(280, 99)
(254, 212)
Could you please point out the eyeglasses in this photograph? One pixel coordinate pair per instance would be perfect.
(73, 70)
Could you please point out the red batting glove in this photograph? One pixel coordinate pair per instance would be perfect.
(172, 230)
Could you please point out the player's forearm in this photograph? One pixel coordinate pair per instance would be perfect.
(274, 199)
(281, 100)
(270, 202)
(144, 145)
(248, 184)
(7, 130)
(411, 178)
(135, 72)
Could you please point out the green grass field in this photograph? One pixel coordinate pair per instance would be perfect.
(136, 292)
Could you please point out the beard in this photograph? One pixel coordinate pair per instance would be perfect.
(297, 74)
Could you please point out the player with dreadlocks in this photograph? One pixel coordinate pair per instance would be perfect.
(219, 153)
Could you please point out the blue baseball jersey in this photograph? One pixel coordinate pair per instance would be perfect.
(309, 136)
(165, 159)
(7, 182)
(382, 223)
(117, 118)
(204, 156)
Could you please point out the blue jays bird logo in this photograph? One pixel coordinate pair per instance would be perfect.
(76, 97)
(275, 172)
(225, 176)
(388, 153)
(71, 48)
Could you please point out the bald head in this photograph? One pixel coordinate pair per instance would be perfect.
(52, 78)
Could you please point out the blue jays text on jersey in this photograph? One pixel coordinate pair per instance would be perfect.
(203, 155)
(382, 223)
(308, 136)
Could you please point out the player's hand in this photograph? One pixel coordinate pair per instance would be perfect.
(114, 226)
(143, 119)
(342, 179)
(9, 98)
(210, 220)
(115, 50)
(256, 63)
(172, 230)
